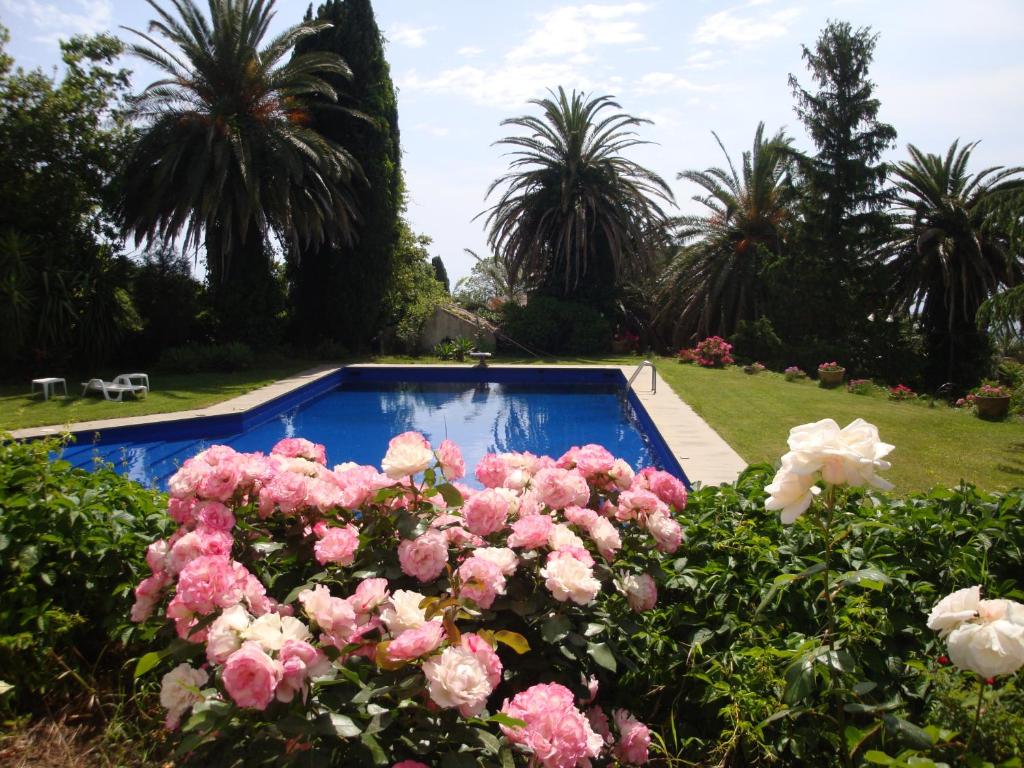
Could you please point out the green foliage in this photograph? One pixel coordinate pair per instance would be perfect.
(367, 127)
(233, 356)
(72, 547)
(225, 155)
(574, 209)
(62, 291)
(414, 292)
(555, 326)
(454, 349)
(833, 279)
(731, 661)
(758, 341)
(168, 299)
(715, 282)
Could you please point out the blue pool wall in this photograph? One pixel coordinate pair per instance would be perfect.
(210, 427)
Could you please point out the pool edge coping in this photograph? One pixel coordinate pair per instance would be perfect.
(702, 453)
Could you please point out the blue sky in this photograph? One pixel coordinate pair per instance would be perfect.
(943, 68)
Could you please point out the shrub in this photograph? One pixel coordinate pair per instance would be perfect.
(901, 392)
(363, 605)
(860, 386)
(754, 368)
(555, 326)
(233, 356)
(793, 373)
(991, 389)
(454, 349)
(72, 545)
(714, 352)
(757, 340)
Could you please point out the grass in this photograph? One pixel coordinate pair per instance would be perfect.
(170, 392)
(934, 445)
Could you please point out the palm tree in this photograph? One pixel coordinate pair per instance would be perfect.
(956, 248)
(225, 154)
(574, 210)
(714, 281)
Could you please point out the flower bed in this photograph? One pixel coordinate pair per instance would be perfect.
(346, 608)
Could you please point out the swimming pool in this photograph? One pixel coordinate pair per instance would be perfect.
(356, 410)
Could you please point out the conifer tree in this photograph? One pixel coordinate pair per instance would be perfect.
(337, 288)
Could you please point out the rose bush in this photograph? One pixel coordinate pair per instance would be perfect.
(376, 617)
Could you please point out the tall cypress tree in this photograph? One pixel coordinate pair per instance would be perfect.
(337, 289)
(844, 202)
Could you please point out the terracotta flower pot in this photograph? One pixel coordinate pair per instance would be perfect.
(831, 379)
(993, 408)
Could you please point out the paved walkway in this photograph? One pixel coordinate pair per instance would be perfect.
(701, 451)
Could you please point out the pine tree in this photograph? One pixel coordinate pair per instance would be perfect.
(441, 273)
(844, 201)
(337, 289)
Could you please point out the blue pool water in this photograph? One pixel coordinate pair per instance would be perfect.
(355, 417)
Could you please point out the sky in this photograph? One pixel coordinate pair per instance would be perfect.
(943, 69)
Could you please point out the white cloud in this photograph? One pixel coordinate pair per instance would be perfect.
(572, 29)
(506, 87)
(663, 82)
(469, 51)
(702, 60)
(414, 37)
(728, 26)
(60, 22)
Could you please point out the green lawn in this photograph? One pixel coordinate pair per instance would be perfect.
(934, 446)
(170, 392)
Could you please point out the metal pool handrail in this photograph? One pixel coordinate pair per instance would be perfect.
(654, 375)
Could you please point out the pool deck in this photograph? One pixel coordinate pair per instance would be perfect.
(701, 451)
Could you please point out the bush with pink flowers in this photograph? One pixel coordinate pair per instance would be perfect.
(365, 616)
(714, 352)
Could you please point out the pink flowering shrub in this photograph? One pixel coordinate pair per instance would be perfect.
(342, 609)
(713, 352)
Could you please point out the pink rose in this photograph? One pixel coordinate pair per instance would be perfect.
(251, 676)
(368, 595)
(621, 474)
(425, 556)
(209, 582)
(298, 662)
(485, 654)
(180, 511)
(332, 614)
(666, 487)
(338, 545)
(491, 471)
(581, 516)
(486, 512)
(450, 458)
(417, 642)
(299, 447)
(531, 532)
(634, 738)
(594, 460)
(606, 537)
(214, 516)
(560, 488)
(641, 591)
(637, 504)
(201, 541)
(667, 533)
(287, 490)
(218, 482)
(557, 733)
(456, 678)
(147, 595)
(481, 581)
(410, 764)
(408, 453)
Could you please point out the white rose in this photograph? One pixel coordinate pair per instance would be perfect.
(848, 456)
(456, 678)
(503, 557)
(962, 605)
(271, 630)
(403, 611)
(408, 453)
(517, 479)
(562, 537)
(224, 636)
(990, 649)
(179, 691)
(570, 579)
(790, 492)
